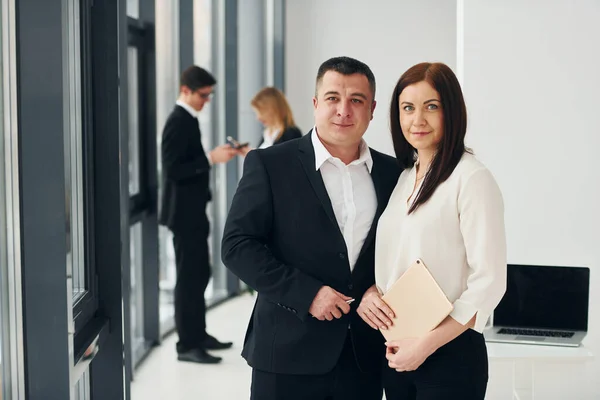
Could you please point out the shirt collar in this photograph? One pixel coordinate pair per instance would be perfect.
(187, 108)
(322, 154)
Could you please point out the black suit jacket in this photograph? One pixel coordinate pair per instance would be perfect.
(290, 133)
(281, 238)
(185, 174)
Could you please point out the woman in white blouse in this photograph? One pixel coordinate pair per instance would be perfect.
(448, 211)
(274, 112)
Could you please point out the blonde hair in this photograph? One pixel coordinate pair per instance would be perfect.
(272, 99)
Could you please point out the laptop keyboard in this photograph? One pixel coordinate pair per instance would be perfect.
(535, 332)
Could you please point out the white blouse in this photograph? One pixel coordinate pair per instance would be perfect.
(268, 138)
(458, 233)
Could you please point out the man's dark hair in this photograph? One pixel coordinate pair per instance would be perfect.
(195, 78)
(345, 66)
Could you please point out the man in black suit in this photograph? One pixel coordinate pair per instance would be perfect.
(301, 232)
(186, 169)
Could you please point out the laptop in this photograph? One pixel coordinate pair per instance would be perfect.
(542, 305)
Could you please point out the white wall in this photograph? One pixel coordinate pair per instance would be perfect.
(389, 36)
(530, 76)
(531, 84)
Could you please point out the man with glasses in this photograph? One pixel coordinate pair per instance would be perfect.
(186, 171)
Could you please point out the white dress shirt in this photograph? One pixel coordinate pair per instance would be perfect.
(187, 108)
(194, 114)
(458, 233)
(352, 194)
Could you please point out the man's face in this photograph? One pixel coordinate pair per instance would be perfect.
(343, 108)
(197, 98)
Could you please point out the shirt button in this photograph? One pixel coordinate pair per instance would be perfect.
(350, 286)
(342, 256)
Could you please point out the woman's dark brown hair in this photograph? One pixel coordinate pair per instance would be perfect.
(452, 146)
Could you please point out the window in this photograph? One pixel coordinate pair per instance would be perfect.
(142, 295)
(78, 160)
(134, 118)
(133, 8)
(3, 231)
(81, 391)
(73, 155)
(11, 322)
(137, 292)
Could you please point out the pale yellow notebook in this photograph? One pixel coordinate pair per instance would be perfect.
(418, 302)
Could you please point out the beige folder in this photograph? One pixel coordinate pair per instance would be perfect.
(418, 302)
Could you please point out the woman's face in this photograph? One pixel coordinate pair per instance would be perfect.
(421, 116)
(265, 116)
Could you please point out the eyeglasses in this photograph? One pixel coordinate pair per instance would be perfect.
(205, 96)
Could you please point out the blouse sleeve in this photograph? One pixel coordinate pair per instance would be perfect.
(481, 213)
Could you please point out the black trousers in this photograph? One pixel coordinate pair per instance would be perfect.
(458, 370)
(344, 382)
(193, 274)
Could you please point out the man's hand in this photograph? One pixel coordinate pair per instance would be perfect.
(242, 151)
(222, 154)
(374, 311)
(329, 304)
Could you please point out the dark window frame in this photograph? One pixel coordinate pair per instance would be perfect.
(86, 307)
(140, 202)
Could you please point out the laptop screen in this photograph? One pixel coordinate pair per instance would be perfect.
(545, 297)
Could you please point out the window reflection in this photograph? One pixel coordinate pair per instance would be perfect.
(82, 387)
(3, 244)
(137, 292)
(134, 128)
(133, 8)
(74, 154)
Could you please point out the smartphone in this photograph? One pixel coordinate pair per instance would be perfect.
(235, 144)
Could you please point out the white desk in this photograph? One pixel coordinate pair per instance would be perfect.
(524, 357)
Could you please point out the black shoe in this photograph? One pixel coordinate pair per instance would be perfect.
(199, 356)
(211, 343)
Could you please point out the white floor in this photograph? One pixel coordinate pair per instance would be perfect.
(161, 376)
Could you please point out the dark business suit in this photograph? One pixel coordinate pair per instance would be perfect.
(291, 132)
(282, 239)
(184, 198)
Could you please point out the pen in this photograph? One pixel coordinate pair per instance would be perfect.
(350, 301)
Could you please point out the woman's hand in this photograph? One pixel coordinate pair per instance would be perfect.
(374, 311)
(407, 354)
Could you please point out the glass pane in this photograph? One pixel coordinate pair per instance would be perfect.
(12, 380)
(74, 155)
(82, 387)
(134, 134)
(137, 291)
(133, 8)
(3, 230)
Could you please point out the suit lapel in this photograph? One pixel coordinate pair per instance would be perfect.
(307, 159)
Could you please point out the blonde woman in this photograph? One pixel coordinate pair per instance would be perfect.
(273, 111)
